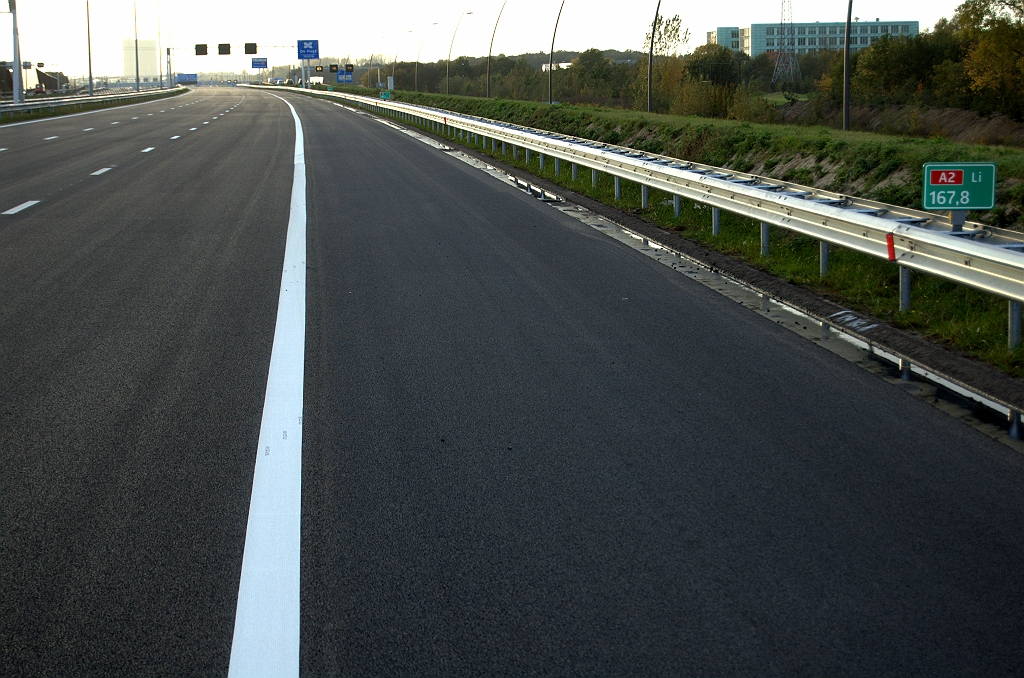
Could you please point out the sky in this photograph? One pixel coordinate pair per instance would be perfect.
(54, 31)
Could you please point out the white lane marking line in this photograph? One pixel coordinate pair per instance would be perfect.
(207, 122)
(99, 172)
(50, 138)
(2, 149)
(115, 123)
(22, 206)
(88, 129)
(165, 110)
(192, 129)
(176, 136)
(266, 636)
(147, 150)
(149, 114)
(135, 118)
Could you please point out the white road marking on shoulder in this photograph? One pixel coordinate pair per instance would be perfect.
(51, 138)
(88, 129)
(207, 122)
(115, 123)
(22, 206)
(2, 149)
(147, 150)
(266, 635)
(99, 172)
(176, 136)
(192, 129)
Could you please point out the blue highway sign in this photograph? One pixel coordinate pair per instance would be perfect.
(309, 49)
(259, 63)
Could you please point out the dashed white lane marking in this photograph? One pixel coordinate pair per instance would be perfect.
(176, 136)
(88, 129)
(115, 123)
(135, 118)
(2, 149)
(165, 110)
(50, 138)
(100, 171)
(207, 122)
(266, 635)
(192, 129)
(147, 150)
(149, 114)
(22, 206)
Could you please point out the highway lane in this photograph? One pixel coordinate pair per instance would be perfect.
(529, 449)
(137, 311)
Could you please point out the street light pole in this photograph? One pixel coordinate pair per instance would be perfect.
(19, 90)
(448, 66)
(846, 70)
(551, 55)
(416, 72)
(135, 10)
(491, 48)
(650, 58)
(88, 42)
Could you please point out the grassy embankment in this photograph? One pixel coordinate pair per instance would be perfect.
(856, 163)
(78, 107)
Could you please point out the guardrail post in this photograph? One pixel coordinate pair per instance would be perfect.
(676, 207)
(504, 150)
(764, 239)
(904, 288)
(575, 172)
(558, 166)
(823, 258)
(515, 152)
(527, 157)
(716, 221)
(1015, 307)
(542, 162)
(618, 188)
(644, 196)
(905, 369)
(1015, 427)
(593, 178)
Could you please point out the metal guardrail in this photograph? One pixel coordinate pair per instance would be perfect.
(979, 256)
(62, 102)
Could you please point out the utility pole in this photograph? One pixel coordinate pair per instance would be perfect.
(650, 58)
(88, 42)
(846, 70)
(19, 90)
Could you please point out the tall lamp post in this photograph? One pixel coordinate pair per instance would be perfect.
(19, 89)
(448, 66)
(135, 12)
(416, 72)
(88, 43)
(650, 58)
(846, 70)
(551, 55)
(491, 48)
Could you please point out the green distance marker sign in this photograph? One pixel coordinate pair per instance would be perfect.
(959, 186)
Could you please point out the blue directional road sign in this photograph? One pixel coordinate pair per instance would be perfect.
(259, 63)
(309, 49)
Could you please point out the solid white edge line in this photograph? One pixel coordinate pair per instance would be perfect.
(22, 206)
(266, 634)
(99, 172)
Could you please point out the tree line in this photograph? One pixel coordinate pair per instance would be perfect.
(973, 61)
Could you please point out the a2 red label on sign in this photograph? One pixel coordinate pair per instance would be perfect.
(947, 177)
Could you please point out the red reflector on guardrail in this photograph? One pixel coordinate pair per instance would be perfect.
(892, 246)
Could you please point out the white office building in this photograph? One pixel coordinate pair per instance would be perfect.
(808, 38)
(149, 60)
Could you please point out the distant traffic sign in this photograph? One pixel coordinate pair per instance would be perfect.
(959, 186)
(259, 62)
(309, 49)
(385, 94)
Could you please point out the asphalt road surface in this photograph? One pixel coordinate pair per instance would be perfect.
(525, 447)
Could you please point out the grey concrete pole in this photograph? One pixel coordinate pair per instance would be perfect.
(846, 69)
(88, 42)
(19, 87)
(135, 18)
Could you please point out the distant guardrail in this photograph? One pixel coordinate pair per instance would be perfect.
(979, 256)
(53, 103)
